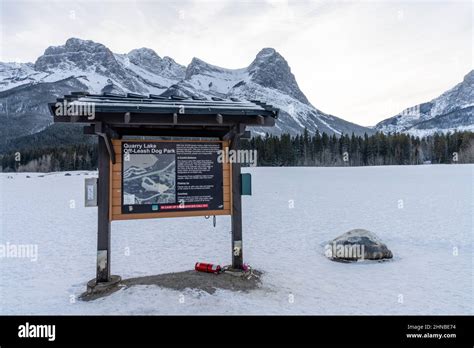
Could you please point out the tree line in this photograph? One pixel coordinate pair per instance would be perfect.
(51, 159)
(352, 150)
(318, 149)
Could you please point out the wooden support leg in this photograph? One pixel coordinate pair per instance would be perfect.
(237, 250)
(103, 227)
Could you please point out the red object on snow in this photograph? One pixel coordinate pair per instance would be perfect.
(207, 267)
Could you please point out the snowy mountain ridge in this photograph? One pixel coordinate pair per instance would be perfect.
(90, 66)
(84, 65)
(267, 78)
(452, 110)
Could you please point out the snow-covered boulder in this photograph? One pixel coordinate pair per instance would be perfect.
(357, 244)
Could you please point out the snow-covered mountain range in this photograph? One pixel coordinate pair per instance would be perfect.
(25, 88)
(452, 110)
(84, 65)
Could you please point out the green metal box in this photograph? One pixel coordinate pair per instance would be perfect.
(246, 184)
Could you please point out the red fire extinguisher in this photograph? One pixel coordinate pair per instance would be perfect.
(207, 267)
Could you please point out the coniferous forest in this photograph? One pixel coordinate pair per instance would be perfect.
(285, 150)
(351, 150)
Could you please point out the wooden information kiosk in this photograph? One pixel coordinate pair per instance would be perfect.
(159, 157)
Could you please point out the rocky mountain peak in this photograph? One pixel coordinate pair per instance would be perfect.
(149, 60)
(199, 67)
(266, 52)
(270, 69)
(76, 53)
(266, 56)
(143, 56)
(469, 78)
(75, 43)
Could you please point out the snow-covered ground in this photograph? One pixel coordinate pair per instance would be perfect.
(423, 213)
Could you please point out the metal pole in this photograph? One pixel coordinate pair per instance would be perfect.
(103, 226)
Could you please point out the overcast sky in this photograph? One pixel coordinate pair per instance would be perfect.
(360, 60)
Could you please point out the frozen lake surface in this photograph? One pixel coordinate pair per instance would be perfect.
(423, 213)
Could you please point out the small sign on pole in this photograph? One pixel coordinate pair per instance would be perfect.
(246, 184)
(90, 187)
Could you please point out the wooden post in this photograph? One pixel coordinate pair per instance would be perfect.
(103, 226)
(237, 250)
